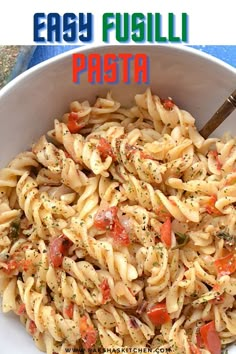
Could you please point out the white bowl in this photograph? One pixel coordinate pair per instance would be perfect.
(197, 82)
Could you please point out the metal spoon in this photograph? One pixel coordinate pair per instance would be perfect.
(220, 115)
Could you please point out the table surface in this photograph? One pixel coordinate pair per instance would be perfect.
(225, 53)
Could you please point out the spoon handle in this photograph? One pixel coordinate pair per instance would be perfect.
(220, 115)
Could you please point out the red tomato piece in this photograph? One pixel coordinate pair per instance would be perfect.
(21, 309)
(58, 248)
(226, 265)
(130, 150)
(218, 300)
(11, 266)
(32, 327)
(119, 234)
(22, 265)
(144, 155)
(215, 154)
(69, 310)
(68, 155)
(167, 103)
(106, 291)
(105, 219)
(158, 314)
(166, 232)
(108, 220)
(88, 333)
(74, 124)
(216, 287)
(105, 149)
(194, 349)
(172, 202)
(162, 213)
(211, 338)
(210, 208)
(25, 264)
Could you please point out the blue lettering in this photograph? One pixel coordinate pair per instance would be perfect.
(69, 25)
(54, 27)
(86, 27)
(38, 26)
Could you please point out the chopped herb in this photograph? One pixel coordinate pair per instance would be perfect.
(225, 236)
(14, 229)
(181, 239)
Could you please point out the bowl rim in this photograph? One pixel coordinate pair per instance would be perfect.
(88, 48)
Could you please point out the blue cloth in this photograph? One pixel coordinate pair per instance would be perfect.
(223, 52)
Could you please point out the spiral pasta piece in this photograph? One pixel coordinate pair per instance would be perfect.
(38, 207)
(104, 253)
(138, 332)
(16, 168)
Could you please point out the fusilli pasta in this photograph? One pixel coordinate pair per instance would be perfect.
(118, 230)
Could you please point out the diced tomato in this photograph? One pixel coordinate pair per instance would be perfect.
(108, 220)
(106, 291)
(74, 124)
(131, 150)
(211, 338)
(67, 155)
(105, 219)
(167, 103)
(144, 155)
(210, 208)
(214, 153)
(32, 327)
(226, 265)
(21, 309)
(119, 234)
(216, 287)
(105, 149)
(11, 266)
(24, 247)
(166, 232)
(218, 300)
(194, 349)
(162, 213)
(172, 202)
(83, 325)
(58, 248)
(88, 333)
(158, 314)
(69, 310)
(25, 264)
